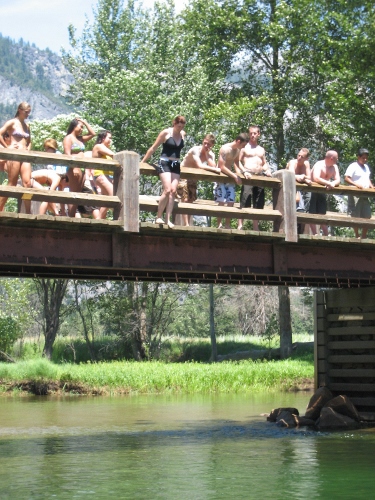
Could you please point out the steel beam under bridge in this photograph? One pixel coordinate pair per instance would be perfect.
(193, 255)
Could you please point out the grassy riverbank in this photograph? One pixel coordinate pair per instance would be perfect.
(43, 377)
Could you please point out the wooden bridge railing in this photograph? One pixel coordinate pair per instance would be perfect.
(126, 201)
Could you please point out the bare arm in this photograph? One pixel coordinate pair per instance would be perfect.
(211, 166)
(224, 169)
(100, 149)
(67, 145)
(90, 130)
(349, 180)
(9, 125)
(159, 140)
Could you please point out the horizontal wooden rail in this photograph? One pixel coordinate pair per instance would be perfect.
(42, 158)
(34, 194)
(150, 203)
(198, 174)
(335, 219)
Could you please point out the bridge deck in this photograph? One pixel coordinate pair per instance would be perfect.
(83, 248)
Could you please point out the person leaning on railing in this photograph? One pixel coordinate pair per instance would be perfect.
(358, 174)
(326, 173)
(197, 157)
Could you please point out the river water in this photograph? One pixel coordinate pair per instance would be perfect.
(175, 447)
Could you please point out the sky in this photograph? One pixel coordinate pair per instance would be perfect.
(45, 22)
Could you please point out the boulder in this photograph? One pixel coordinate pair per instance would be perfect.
(272, 417)
(330, 420)
(304, 422)
(317, 401)
(343, 405)
(286, 419)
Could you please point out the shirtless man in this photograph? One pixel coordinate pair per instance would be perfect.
(253, 158)
(301, 168)
(196, 157)
(229, 156)
(326, 173)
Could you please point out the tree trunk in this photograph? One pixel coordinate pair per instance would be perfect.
(51, 293)
(285, 322)
(212, 324)
(138, 347)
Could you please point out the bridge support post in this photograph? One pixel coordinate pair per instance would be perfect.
(284, 200)
(126, 187)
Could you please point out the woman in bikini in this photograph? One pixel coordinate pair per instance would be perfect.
(74, 144)
(103, 179)
(168, 167)
(19, 133)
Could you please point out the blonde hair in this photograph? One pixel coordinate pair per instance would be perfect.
(50, 143)
(23, 106)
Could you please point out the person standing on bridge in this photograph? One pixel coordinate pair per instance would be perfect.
(326, 173)
(19, 133)
(103, 180)
(74, 144)
(168, 168)
(358, 174)
(253, 158)
(229, 156)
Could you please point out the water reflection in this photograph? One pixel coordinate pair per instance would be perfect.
(171, 447)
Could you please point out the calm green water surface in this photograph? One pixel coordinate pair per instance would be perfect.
(175, 447)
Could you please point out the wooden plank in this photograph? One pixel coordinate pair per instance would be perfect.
(322, 365)
(205, 175)
(341, 189)
(352, 300)
(351, 387)
(351, 330)
(150, 203)
(352, 344)
(320, 338)
(59, 196)
(369, 401)
(334, 220)
(351, 358)
(352, 316)
(57, 159)
(367, 416)
(352, 372)
(321, 352)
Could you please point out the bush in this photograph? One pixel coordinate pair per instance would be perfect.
(9, 333)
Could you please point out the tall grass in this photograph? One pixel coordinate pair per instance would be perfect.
(157, 377)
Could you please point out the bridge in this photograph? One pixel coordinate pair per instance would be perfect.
(127, 249)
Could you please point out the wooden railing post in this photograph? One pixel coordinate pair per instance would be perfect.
(284, 200)
(126, 187)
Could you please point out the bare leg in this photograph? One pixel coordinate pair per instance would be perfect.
(227, 221)
(255, 225)
(166, 179)
(76, 180)
(219, 219)
(313, 228)
(13, 168)
(324, 230)
(172, 195)
(25, 172)
(240, 224)
(106, 188)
